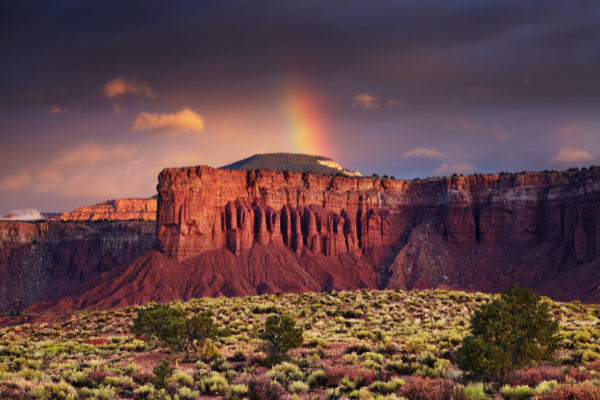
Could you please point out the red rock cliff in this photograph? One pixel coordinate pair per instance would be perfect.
(44, 260)
(113, 210)
(202, 209)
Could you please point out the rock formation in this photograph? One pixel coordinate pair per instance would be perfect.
(113, 210)
(239, 233)
(202, 209)
(45, 260)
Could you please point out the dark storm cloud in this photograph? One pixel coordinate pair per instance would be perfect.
(443, 46)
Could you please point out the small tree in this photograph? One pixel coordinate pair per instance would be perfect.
(150, 322)
(188, 334)
(280, 335)
(162, 373)
(510, 333)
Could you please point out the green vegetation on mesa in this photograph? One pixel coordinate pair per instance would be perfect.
(364, 345)
(284, 162)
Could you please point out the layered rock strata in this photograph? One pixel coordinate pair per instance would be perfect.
(202, 208)
(45, 260)
(113, 210)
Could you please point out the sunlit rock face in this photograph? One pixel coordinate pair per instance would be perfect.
(113, 210)
(202, 209)
(481, 232)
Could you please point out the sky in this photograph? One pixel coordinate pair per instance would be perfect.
(96, 98)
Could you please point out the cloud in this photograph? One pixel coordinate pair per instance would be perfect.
(15, 182)
(366, 100)
(499, 132)
(478, 92)
(460, 168)
(92, 153)
(571, 129)
(58, 110)
(461, 124)
(117, 109)
(23, 215)
(47, 181)
(526, 81)
(423, 152)
(572, 156)
(120, 86)
(185, 121)
(396, 103)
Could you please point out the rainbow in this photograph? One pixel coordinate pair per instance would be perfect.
(302, 112)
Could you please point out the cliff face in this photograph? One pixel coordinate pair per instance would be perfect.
(491, 230)
(113, 210)
(44, 260)
(204, 209)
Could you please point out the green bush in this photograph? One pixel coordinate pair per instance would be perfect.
(512, 332)
(280, 335)
(162, 372)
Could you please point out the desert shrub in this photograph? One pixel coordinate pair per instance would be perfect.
(415, 345)
(577, 375)
(131, 369)
(200, 365)
(298, 387)
(511, 332)
(431, 389)
(62, 391)
(264, 389)
(473, 391)
(532, 377)
(162, 372)
(142, 378)
(97, 376)
(220, 364)
(386, 387)
(280, 335)
(286, 372)
(145, 392)
(237, 392)
(13, 393)
(350, 359)
(358, 348)
(239, 355)
(580, 391)
(208, 351)
(185, 393)
(595, 366)
(333, 394)
(182, 379)
(590, 355)
(317, 378)
(214, 384)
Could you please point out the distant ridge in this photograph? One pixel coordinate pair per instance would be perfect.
(291, 162)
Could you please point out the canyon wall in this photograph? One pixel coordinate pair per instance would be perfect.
(44, 260)
(202, 208)
(113, 210)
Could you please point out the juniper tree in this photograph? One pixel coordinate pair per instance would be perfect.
(512, 332)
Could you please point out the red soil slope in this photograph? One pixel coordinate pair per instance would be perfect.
(262, 269)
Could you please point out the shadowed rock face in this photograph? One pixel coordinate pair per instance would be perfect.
(44, 260)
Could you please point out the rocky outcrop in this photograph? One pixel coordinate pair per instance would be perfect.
(113, 210)
(45, 260)
(203, 209)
